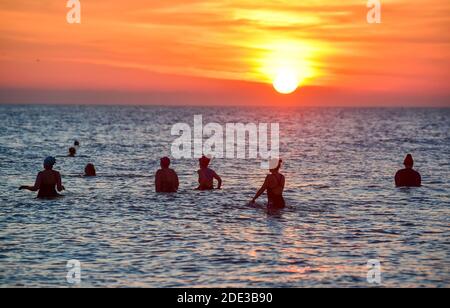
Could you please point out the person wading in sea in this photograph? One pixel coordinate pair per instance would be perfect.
(206, 175)
(274, 184)
(47, 181)
(408, 177)
(166, 179)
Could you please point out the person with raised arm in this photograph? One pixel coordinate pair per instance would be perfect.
(274, 185)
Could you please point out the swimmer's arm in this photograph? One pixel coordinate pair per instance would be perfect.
(219, 179)
(177, 181)
(59, 184)
(37, 184)
(397, 179)
(200, 180)
(261, 190)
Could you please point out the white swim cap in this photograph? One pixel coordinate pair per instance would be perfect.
(274, 163)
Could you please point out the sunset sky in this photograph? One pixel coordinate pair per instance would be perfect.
(225, 52)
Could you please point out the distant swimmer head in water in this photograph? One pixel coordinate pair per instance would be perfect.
(206, 176)
(408, 177)
(72, 152)
(166, 179)
(47, 182)
(76, 143)
(90, 170)
(274, 185)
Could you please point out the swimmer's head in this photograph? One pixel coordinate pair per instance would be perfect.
(409, 161)
(275, 165)
(76, 143)
(204, 161)
(165, 162)
(49, 162)
(72, 151)
(90, 170)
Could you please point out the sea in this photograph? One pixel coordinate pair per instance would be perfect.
(345, 224)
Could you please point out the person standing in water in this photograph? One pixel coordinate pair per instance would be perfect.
(274, 184)
(206, 175)
(47, 181)
(408, 177)
(166, 179)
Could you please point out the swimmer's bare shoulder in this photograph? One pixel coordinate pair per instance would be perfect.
(269, 179)
(57, 174)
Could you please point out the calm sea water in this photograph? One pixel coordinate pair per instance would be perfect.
(342, 210)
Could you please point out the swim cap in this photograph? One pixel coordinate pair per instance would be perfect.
(275, 163)
(204, 161)
(409, 161)
(165, 162)
(50, 161)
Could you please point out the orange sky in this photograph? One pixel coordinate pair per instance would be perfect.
(225, 52)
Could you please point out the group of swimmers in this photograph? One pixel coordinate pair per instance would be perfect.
(166, 181)
(48, 182)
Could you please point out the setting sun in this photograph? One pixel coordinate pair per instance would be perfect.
(288, 64)
(286, 81)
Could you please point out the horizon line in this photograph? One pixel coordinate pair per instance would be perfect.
(158, 105)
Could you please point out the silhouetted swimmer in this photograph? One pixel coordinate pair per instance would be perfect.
(72, 152)
(166, 179)
(408, 177)
(274, 184)
(90, 171)
(206, 175)
(76, 143)
(47, 181)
